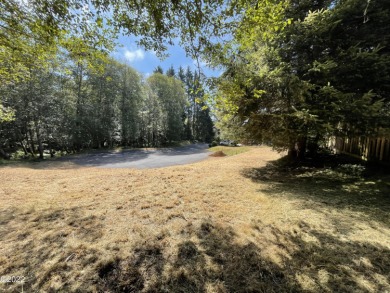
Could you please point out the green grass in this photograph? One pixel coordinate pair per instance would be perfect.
(17, 160)
(230, 151)
(334, 181)
(7, 162)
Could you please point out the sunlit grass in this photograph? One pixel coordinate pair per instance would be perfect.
(231, 151)
(230, 225)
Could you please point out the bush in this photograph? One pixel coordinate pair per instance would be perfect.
(354, 170)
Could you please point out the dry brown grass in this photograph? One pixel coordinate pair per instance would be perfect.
(213, 226)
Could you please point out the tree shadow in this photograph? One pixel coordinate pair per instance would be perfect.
(185, 150)
(214, 261)
(106, 158)
(339, 184)
(39, 250)
(127, 158)
(210, 258)
(93, 159)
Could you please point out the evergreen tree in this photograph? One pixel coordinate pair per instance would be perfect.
(313, 70)
(158, 69)
(170, 72)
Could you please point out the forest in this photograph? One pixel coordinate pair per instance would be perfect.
(61, 91)
(295, 73)
(75, 102)
(73, 105)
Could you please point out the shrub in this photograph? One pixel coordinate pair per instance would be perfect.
(214, 143)
(354, 170)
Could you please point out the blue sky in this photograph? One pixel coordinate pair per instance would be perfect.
(146, 61)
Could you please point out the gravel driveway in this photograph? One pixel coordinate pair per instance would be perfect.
(141, 159)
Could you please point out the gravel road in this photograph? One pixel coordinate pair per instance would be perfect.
(142, 159)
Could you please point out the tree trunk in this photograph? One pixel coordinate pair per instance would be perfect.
(4, 154)
(301, 145)
(52, 152)
(39, 139)
(23, 147)
(292, 151)
(79, 106)
(32, 145)
(313, 146)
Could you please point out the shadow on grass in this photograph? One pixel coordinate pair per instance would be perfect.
(214, 262)
(46, 247)
(341, 183)
(115, 158)
(208, 259)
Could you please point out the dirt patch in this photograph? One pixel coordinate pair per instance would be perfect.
(218, 154)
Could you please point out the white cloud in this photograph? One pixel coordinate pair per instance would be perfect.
(134, 55)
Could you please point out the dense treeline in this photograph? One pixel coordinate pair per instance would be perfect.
(60, 90)
(295, 72)
(74, 104)
(299, 72)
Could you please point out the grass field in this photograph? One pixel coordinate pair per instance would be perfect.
(227, 224)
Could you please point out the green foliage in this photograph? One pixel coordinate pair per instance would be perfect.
(157, 23)
(171, 94)
(62, 90)
(6, 114)
(79, 102)
(301, 71)
(354, 170)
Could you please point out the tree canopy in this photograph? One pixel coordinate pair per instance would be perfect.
(61, 90)
(295, 72)
(301, 71)
(75, 104)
